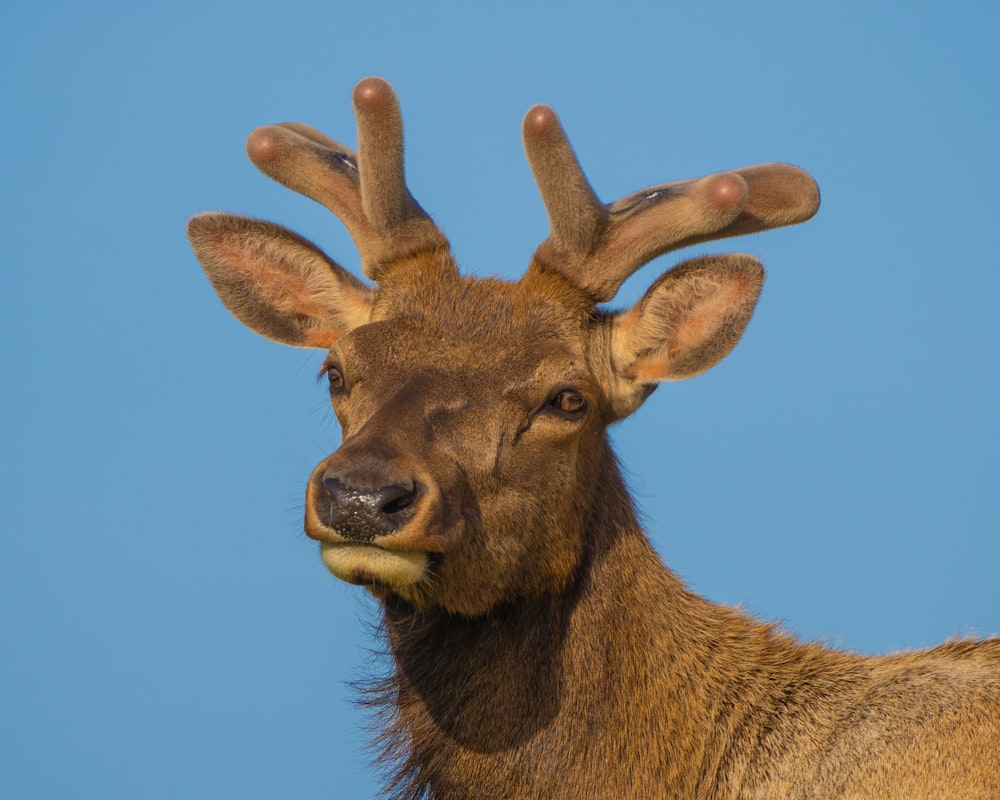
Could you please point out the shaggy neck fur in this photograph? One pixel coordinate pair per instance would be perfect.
(626, 673)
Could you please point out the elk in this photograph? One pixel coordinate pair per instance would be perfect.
(540, 647)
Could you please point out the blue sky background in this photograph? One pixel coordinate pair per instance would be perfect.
(166, 630)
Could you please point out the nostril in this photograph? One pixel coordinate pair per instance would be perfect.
(333, 486)
(398, 498)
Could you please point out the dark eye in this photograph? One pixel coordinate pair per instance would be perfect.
(568, 403)
(335, 378)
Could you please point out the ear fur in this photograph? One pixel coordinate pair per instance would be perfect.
(686, 323)
(277, 283)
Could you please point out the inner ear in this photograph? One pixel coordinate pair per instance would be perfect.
(688, 321)
(277, 283)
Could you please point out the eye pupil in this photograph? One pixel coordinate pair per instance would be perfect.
(569, 402)
(335, 377)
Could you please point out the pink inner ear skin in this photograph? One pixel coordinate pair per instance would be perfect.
(651, 370)
(319, 338)
(701, 325)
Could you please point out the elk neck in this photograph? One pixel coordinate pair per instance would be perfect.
(526, 682)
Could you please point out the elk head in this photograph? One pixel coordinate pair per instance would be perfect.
(473, 411)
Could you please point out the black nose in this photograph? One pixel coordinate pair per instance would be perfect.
(361, 514)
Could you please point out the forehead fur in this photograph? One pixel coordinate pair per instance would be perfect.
(430, 292)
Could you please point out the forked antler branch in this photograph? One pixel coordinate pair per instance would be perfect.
(366, 190)
(597, 246)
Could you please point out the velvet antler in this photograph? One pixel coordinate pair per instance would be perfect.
(597, 246)
(366, 190)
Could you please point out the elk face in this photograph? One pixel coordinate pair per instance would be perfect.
(473, 411)
(458, 482)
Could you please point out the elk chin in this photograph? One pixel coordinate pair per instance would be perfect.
(398, 571)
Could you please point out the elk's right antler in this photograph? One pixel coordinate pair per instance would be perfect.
(366, 190)
(597, 246)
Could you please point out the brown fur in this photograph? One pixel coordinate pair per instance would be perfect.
(540, 647)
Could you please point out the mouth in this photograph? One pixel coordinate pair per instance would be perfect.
(375, 567)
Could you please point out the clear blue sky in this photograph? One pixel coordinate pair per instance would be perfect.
(166, 630)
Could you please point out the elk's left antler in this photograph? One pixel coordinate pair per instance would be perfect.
(597, 246)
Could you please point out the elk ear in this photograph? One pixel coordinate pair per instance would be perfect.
(687, 322)
(277, 283)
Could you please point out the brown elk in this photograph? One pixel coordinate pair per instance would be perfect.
(541, 649)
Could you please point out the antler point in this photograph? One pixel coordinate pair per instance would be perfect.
(262, 145)
(539, 120)
(371, 93)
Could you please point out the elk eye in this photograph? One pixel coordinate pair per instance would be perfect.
(335, 378)
(568, 403)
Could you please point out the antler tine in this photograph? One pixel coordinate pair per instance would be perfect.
(386, 200)
(598, 246)
(367, 189)
(576, 215)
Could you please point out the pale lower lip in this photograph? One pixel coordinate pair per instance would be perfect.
(366, 564)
